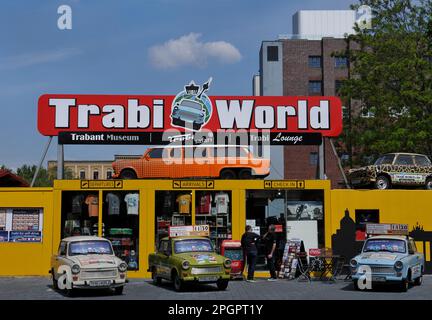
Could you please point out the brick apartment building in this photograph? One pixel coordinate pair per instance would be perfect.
(305, 65)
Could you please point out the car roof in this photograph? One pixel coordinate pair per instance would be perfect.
(389, 237)
(83, 238)
(404, 153)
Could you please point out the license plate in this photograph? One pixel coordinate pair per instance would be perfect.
(207, 279)
(100, 283)
(379, 279)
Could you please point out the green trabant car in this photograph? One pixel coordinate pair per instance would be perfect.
(189, 259)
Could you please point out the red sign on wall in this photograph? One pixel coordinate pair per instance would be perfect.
(187, 112)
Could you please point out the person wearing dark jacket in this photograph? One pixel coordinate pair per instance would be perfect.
(248, 242)
(270, 247)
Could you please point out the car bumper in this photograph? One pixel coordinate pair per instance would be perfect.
(207, 278)
(88, 284)
(380, 278)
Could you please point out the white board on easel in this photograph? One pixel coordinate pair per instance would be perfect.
(306, 230)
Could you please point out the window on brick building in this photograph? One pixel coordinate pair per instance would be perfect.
(272, 53)
(341, 62)
(315, 86)
(314, 61)
(313, 158)
(338, 85)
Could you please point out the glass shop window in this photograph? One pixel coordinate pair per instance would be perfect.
(172, 208)
(362, 217)
(79, 213)
(214, 208)
(294, 213)
(120, 215)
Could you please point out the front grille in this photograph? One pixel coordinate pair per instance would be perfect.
(382, 269)
(97, 273)
(208, 270)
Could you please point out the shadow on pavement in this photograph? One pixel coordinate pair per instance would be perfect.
(375, 288)
(189, 288)
(83, 293)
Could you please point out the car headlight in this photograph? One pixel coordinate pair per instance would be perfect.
(122, 267)
(75, 269)
(185, 265)
(227, 263)
(353, 263)
(398, 265)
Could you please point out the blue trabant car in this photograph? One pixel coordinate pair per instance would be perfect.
(389, 259)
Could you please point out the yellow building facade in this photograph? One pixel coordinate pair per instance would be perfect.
(135, 214)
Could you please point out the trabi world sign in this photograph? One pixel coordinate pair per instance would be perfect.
(190, 111)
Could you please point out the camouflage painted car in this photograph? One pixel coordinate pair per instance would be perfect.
(189, 259)
(404, 169)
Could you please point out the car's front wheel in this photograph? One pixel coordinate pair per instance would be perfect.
(382, 183)
(156, 280)
(178, 283)
(228, 174)
(418, 281)
(428, 184)
(222, 284)
(54, 281)
(404, 285)
(128, 174)
(119, 290)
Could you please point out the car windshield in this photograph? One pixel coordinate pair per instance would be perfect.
(385, 245)
(193, 245)
(90, 247)
(234, 254)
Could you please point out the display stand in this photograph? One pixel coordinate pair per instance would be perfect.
(290, 260)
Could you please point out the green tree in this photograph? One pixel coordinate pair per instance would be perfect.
(391, 78)
(45, 177)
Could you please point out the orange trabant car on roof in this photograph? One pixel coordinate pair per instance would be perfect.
(209, 161)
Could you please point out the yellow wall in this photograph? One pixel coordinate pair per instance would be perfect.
(395, 206)
(28, 258)
(34, 258)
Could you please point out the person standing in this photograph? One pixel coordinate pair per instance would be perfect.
(270, 248)
(248, 242)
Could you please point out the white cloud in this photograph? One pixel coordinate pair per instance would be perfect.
(188, 50)
(30, 59)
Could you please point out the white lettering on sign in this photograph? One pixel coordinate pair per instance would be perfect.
(232, 115)
(62, 111)
(138, 116)
(115, 117)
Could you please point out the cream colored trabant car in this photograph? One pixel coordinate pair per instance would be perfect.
(87, 263)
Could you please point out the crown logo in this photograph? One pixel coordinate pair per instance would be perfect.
(192, 88)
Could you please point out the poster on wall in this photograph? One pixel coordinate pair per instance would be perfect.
(305, 230)
(25, 219)
(305, 210)
(2, 219)
(21, 224)
(4, 236)
(25, 236)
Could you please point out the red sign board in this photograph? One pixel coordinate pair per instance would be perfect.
(158, 113)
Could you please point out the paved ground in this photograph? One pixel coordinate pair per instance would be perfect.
(40, 288)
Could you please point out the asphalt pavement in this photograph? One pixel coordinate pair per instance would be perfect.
(40, 288)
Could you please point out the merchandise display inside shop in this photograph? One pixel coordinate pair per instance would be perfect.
(213, 208)
(120, 220)
(296, 214)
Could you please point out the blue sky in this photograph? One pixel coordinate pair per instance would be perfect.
(109, 51)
